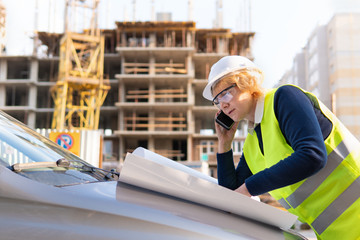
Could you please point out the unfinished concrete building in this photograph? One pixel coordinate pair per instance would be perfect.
(157, 71)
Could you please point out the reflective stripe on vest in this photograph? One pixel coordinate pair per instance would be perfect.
(311, 184)
(338, 206)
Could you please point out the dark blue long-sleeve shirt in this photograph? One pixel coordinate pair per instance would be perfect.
(303, 126)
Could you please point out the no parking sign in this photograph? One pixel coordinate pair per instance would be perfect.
(68, 140)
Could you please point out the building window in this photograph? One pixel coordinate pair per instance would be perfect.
(17, 96)
(237, 146)
(313, 44)
(314, 78)
(18, 69)
(313, 62)
(207, 148)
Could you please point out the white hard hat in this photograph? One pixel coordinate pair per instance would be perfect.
(225, 66)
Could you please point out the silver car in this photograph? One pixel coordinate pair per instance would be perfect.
(48, 193)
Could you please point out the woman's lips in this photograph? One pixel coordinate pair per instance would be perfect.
(230, 112)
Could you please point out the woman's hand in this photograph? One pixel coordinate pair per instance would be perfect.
(225, 137)
(243, 190)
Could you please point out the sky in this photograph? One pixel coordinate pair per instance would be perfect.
(281, 27)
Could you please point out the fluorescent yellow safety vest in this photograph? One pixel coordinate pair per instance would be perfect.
(328, 201)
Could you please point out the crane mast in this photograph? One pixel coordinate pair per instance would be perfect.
(81, 88)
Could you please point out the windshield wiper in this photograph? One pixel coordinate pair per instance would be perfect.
(18, 167)
(66, 163)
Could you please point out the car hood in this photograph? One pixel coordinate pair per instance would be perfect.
(124, 200)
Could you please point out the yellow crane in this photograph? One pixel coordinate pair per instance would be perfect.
(81, 88)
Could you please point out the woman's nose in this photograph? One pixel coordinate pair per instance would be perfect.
(224, 105)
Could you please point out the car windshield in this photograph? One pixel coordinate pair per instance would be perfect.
(20, 145)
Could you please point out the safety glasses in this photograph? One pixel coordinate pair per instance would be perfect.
(223, 96)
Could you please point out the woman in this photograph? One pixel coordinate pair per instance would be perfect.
(296, 149)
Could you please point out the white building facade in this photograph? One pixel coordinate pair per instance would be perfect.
(329, 67)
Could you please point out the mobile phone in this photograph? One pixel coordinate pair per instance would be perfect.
(224, 120)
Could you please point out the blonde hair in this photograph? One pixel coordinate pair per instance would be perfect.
(246, 80)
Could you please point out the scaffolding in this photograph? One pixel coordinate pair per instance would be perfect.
(81, 88)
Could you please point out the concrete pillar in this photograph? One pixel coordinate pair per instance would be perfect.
(151, 101)
(122, 92)
(151, 144)
(3, 74)
(3, 70)
(121, 120)
(121, 149)
(122, 68)
(2, 95)
(152, 40)
(31, 119)
(123, 40)
(190, 93)
(34, 66)
(190, 122)
(190, 147)
(34, 70)
(32, 98)
(151, 92)
(152, 65)
(189, 39)
(151, 121)
(190, 66)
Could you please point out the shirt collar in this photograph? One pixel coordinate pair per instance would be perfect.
(259, 112)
